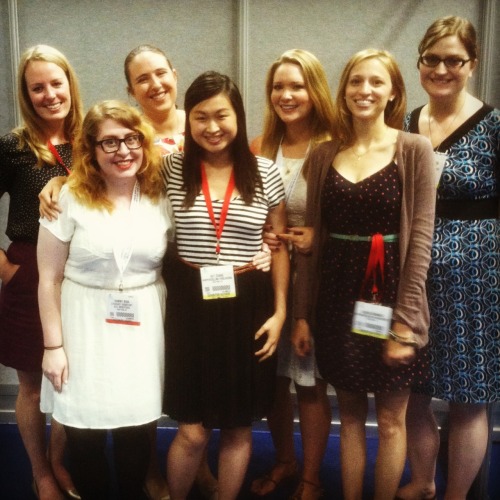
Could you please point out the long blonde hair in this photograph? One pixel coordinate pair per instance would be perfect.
(395, 109)
(31, 133)
(318, 89)
(86, 181)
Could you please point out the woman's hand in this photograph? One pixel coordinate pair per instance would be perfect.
(272, 328)
(301, 338)
(300, 237)
(7, 269)
(49, 196)
(262, 260)
(55, 367)
(271, 239)
(396, 354)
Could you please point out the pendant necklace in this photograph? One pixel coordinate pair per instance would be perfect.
(448, 128)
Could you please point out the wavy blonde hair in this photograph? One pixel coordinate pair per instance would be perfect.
(86, 181)
(318, 89)
(31, 133)
(395, 110)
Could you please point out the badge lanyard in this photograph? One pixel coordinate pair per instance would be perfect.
(375, 260)
(219, 227)
(123, 250)
(53, 150)
(373, 319)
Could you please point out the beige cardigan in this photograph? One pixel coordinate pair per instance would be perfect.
(415, 162)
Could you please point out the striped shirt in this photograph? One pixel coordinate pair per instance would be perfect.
(242, 235)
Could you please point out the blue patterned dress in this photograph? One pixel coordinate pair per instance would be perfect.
(464, 275)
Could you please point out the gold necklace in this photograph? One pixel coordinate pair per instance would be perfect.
(358, 157)
(448, 128)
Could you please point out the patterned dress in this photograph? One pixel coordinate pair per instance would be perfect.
(348, 360)
(464, 276)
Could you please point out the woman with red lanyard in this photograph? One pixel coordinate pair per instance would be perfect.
(224, 317)
(361, 292)
(32, 154)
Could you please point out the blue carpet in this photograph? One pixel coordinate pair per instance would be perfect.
(15, 473)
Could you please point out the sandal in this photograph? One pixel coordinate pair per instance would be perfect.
(266, 484)
(316, 490)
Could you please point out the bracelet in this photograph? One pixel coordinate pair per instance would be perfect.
(401, 340)
(52, 347)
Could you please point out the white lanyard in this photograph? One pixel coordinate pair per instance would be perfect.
(124, 241)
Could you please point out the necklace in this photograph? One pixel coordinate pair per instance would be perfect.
(357, 156)
(448, 128)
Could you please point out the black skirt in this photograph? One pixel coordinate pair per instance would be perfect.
(212, 374)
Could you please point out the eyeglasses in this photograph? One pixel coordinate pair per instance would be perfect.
(112, 145)
(450, 62)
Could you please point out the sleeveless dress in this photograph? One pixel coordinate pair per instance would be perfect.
(464, 276)
(302, 370)
(348, 360)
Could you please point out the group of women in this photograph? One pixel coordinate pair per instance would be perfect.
(345, 200)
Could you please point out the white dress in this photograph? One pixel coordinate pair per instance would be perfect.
(116, 371)
(302, 371)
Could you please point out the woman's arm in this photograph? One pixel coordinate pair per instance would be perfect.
(280, 274)
(49, 197)
(52, 254)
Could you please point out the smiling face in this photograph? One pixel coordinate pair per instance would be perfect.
(153, 83)
(289, 96)
(48, 90)
(368, 89)
(213, 124)
(440, 81)
(122, 165)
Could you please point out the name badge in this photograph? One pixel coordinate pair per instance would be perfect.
(371, 319)
(217, 282)
(123, 309)
(439, 161)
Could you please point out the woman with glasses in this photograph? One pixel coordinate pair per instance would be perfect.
(152, 82)
(102, 300)
(464, 276)
(32, 154)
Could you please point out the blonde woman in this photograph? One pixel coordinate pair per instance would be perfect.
(299, 115)
(370, 201)
(40, 149)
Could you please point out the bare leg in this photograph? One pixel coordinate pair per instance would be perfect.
(391, 455)
(56, 454)
(353, 408)
(423, 447)
(205, 480)
(184, 457)
(155, 484)
(31, 424)
(315, 420)
(235, 451)
(467, 442)
(280, 422)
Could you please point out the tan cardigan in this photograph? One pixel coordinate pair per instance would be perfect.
(415, 162)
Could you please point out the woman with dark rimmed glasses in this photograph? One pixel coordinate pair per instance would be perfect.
(464, 276)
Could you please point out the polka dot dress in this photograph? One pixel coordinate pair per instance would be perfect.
(348, 360)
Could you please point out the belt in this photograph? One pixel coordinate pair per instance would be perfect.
(237, 269)
(467, 209)
(388, 238)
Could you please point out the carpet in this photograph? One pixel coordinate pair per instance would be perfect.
(15, 472)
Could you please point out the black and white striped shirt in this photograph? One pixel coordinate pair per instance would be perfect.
(242, 235)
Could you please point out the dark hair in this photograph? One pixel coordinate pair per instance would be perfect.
(246, 172)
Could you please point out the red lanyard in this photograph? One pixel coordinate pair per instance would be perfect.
(375, 259)
(53, 150)
(219, 227)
